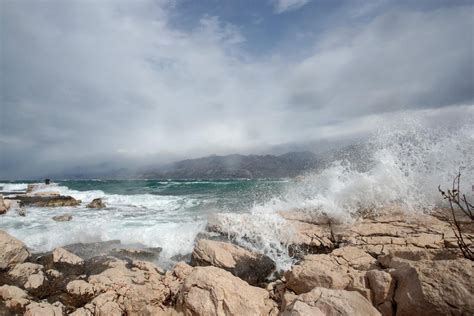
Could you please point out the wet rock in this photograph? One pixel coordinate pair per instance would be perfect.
(96, 203)
(3, 207)
(94, 249)
(136, 253)
(12, 251)
(47, 201)
(249, 266)
(62, 256)
(213, 291)
(44, 309)
(434, 287)
(322, 301)
(317, 271)
(62, 218)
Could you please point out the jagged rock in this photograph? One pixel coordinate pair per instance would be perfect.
(27, 275)
(3, 207)
(321, 301)
(213, 291)
(249, 266)
(44, 309)
(317, 271)
(96, 203)
(47, 201)
(434, 287)
(15, 299)
(382, 285)
(12, 251)
(62, 218)
(61, 255)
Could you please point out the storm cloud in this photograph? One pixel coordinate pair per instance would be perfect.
(84, 82)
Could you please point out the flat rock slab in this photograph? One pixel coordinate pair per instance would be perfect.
(46, 201)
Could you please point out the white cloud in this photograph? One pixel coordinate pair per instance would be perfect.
(281, 6)
(86, 82)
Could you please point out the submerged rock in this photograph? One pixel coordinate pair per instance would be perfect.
(96, 203)
(12, 251)
(249, 266)
(62, 218)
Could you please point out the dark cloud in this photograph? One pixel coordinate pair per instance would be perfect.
(87, 82)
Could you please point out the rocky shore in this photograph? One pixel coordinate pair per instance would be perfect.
(390, 263)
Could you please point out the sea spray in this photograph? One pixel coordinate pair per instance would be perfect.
(402, 164)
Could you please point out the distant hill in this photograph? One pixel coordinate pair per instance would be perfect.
(237, 166)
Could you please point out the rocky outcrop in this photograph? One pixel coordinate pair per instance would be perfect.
(249, 266)
(47, 200)
(12, 251)
(43, 308)
(213, 291)
(96, 203)
(14, 298)
(433, 287)
(62, 218)
(321, 301)
(3, 207)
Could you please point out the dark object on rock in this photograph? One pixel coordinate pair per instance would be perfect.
(96, 203)
(249, 266)
(47, 181)
(47, 201)
(62, 218)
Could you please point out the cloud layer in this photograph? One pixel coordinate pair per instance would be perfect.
(86, 82)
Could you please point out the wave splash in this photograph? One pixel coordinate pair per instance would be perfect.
(401, 165)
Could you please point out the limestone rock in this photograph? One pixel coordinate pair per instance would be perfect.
(355, 257)
(28, 275)
(321, 302)
(3, 207)
(62, 218)
(96, 203)
(382, 285)
(44, 309)
(12, 251)
(61, 255)
(249, 266)
(15, 298)
(434, 287)
(317, 271)
(213, 291)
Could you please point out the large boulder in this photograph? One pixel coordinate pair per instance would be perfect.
(44, 309)
(249, 266)
(213, 291)
(28, 275)
(434, 287)
(317, 271)
(12, 251)
(14, 298)
(323, 302)
(96, 203)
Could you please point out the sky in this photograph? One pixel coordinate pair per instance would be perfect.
(110, 83)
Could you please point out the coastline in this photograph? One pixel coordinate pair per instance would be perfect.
(389, 263)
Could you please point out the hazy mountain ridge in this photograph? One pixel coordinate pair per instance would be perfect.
(238, 166)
